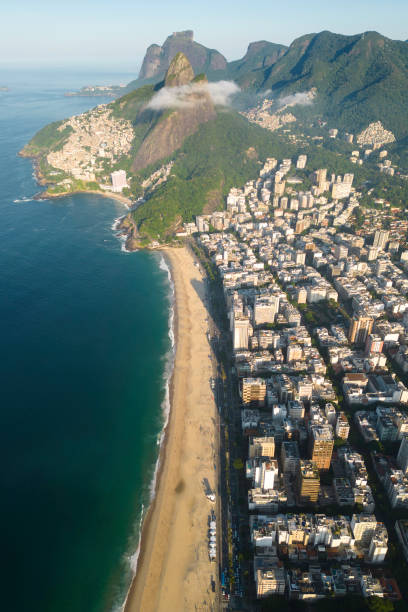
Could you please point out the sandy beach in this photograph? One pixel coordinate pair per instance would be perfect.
(174, 572)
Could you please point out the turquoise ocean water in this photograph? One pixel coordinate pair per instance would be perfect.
(83, 339)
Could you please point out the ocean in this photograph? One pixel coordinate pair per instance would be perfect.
(85, 350)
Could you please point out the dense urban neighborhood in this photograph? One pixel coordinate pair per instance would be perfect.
(318, 319)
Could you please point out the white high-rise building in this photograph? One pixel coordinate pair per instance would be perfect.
(268, 475)
(265, 309)
(381, 239)
(378, 545)
(242, 330)
(118, 181)
(341, 188)
(301, 162)
(363, 526)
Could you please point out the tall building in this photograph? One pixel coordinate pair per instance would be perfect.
(270, 581)
(342, 426)
(372, 252)
(265, 309)
(296, 409)
(279, 187)
(321, 445)
(307, 482)
(202, 223)
(342, 187)
(360, 328)
(363, 527)
(253, 391)
(340, 251)
(381, 239)
(374, 344)
(301, 162)
(242, 330)
(118, 181)
(402, 457)
(331, 414)
(290, 457)
(299, 258)
(262, 447)
(320, 177)
(268, 475)
(294, 352)
(301, 295)
(378, 545)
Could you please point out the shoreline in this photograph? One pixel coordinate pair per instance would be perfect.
(44, 195)
(164, 577)
(137, 555)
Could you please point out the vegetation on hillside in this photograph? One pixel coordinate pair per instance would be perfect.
(215, 158)
(48, 138)
(359, 79)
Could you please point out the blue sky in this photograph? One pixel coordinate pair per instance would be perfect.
(114, 34)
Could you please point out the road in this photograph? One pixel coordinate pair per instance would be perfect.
(231, 505)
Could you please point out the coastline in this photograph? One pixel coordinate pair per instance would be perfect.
(44, 195)
(173, 570)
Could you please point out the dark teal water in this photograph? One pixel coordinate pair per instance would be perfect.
(83, 335)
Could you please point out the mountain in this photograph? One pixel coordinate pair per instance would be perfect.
(175, 125)
(158, 58)
(182, 147)
(259, 56)
(359, 79)
(224, 152)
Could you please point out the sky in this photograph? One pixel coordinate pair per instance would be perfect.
(114, 34)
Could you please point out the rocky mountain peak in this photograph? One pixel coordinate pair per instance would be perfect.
(157, 59)
(185, 34)
(180, 71)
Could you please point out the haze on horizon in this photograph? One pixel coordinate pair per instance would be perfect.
(114, 35)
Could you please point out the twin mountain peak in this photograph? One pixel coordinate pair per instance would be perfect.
(358, 80)
(169, 133)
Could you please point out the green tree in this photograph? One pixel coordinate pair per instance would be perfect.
(378, 604)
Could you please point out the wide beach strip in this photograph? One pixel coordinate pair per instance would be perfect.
(174, 572)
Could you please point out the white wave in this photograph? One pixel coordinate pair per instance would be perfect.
(168, 372)
(166, 407)
(115, 224)
(21, 200)
(130, 561)
(123, 245)
(120, 236)
(134, 558)
(164, 266)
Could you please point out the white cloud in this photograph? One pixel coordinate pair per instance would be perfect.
(302, 98)
(220, 92)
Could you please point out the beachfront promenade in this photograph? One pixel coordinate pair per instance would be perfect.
(174, 572)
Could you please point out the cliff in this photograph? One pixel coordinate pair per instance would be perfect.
(158, 58)
(260, 55)
(192, 107)
(359, 79)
